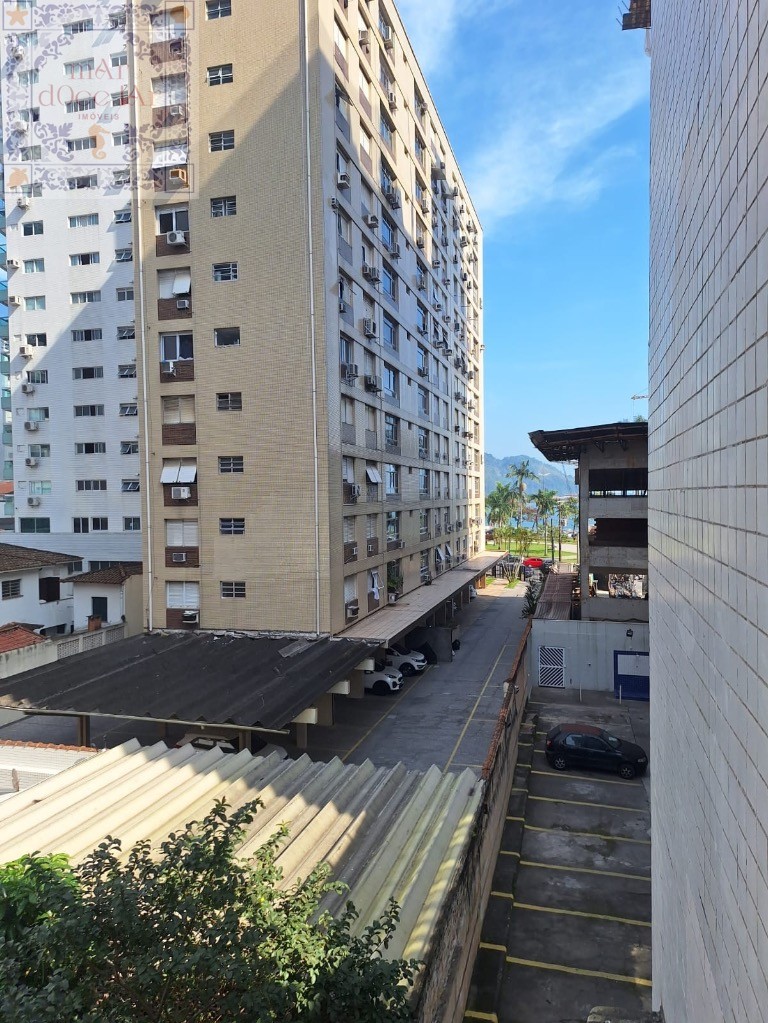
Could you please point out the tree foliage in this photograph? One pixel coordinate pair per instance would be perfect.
(189, 934)
(521, 474)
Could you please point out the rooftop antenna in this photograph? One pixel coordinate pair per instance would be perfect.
(637, 397)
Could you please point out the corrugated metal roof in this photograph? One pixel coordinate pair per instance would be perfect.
(24, 764)
(194, 677)
(386, 832)
(555, 600)
(567, 445)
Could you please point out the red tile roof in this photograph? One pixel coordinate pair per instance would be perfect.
(19, 559)
(113, 576)
(23, 744)
(15, 637)
(6, 487)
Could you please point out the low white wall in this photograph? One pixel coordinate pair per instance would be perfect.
(15, 661)
(589, 649)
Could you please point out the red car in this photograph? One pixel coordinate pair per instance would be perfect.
(533, 562)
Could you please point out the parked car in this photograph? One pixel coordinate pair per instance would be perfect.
(576, 745)
(382, 681)
(407, 662)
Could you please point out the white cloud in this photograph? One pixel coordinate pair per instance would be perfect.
(433, 25)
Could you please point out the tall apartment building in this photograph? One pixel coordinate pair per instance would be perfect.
(708, 508)
(309, 317)
(72, 361)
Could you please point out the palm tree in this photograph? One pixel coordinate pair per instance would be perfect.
(539, 501)
(569, 509)
(499, 504)
(547, 503)
(521, 474)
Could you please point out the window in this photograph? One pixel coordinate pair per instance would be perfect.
(87, 372)
(226, 337)
(175, 347)
(84, 220)
(393, 525)
(39, 450)
(100, 524)
(391, 479)
(120, 99)
(423, 482)
(348, 469)
(37, 525)
(27, 78)
(37, 415)
(37, 376)
(121, 138)
(87, 334)
(391, 381)
(75, 106)
(89, 486)
(131, 524)
(225, 272)
(82, 144)
(391, 430)
(129, 447)
(129, 409)
(221, 141)
(34, 266)
(183, 595)
(11, 588)
(81, 525)
(85, 297)
(33, 227)
(423, 401)
(31, 191)
(91, 447)
(125, 294)
(182, 533)
(230, 464)
(232, 527)
(124, 255)
(215, 9)
(32, 302)
(127, 333)
(232, 590)
(83, 411)
(127, 371)
(175, 218)
(82, 181)
(225, 206)
(340, 39)
(121, 177)
(179, 409)
(130, 486)
(220, 74)
(40, 488)
(119, 60)
(229, 401)
(123, 216)
(388, 232)
(84, 259)
(388, 281)
(386, 129)
(36, 341)
(389, 332)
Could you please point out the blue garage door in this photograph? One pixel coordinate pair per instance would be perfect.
(630, 675)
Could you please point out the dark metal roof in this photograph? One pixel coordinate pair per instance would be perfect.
(214, 679)
(567, 445)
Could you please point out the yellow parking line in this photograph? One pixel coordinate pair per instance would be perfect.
(580, 913)
(598, 974)
(525, 744)
(493, 948)
(474, 1014)
(504, 895)
(585, 870)
(518, 790)
(510, 818)
(509, 852)
(567, 776)
(386, 713)
(588, 834)
(583, 802)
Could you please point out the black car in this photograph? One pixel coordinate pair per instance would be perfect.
(575, 745)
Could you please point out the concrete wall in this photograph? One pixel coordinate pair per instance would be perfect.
(589, 649)
(28, 608)
(709, 508)
(15, 661)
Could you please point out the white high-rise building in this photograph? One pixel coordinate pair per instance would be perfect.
(74, 398)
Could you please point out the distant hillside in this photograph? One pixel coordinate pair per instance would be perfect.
(551, 477)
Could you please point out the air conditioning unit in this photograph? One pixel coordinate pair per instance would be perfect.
(457, 395)
(373, 384)
(459, 524)
(400, 545)
(464, 241)
(435, 264)
(31, 426)
(176, 110)
(371, 221)
(30, 462)
(191, 617)
(363, 37)
(448, 527)
(424, 204)
(371, 548)
(437, 306)
(342, 179)
(353, 551)
(423, 331)
(394, 251)
(349, 370)
(25, 352)
(179, 558)
(13, 264)
(180, 493)
(176, 238)
(392, 99)
(471, 375)
(335, 204)
(33, 502)
(183, 303)
(421, 241)
(353, 610)
(446, 317)
(179, 174)
(371, 273)
(168, 367)
(392, 195)
(369, 327)
(423, 371)
(27, 388)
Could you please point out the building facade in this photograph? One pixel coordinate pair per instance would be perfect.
(72, 391)
(310, 318)
(708, 509)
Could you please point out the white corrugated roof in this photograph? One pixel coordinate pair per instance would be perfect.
(25, 764)
(386, 832)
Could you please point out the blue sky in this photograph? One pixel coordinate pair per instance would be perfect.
(546, 105)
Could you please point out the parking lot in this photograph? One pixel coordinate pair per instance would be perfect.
(568, 922)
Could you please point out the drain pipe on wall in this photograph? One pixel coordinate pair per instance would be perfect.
(304, 31)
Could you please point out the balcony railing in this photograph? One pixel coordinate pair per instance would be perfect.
(372, 492)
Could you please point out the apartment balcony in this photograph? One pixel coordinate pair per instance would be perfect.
(424, 534)
(180, 370)
(7, 438)
(169, 501)
(167, 117)
(373, 603)
(395, 544)
(371, 439)
(635, 507)
(174, 308)
(182, 557)
(5, 403)
(350, 552)
(8, 469)
(392, 447)
(165, 248)
(168, 51)
(179, 433)
(5, 366)
(618, 558)
(170, 179)
(348, 433)
(372, 546)
(372, 493)
(350, 493)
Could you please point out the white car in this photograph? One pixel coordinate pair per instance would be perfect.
(472, 592)
(407, 662)
(382, 681)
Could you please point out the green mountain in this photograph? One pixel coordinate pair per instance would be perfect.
(551, 476)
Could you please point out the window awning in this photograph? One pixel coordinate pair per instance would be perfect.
(170, 156)
(448, 550)
(182, 283)
(373, 474)
(187, 474)
(176, 472)
(438, 554)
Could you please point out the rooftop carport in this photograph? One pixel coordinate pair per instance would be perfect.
(210, 680)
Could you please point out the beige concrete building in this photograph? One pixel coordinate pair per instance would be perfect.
(309, 318)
